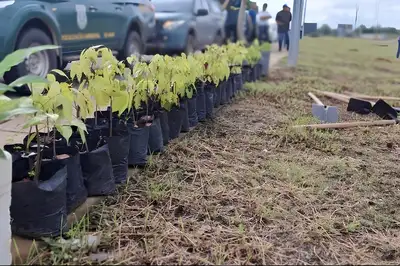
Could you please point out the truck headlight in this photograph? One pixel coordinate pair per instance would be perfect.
(172, 24)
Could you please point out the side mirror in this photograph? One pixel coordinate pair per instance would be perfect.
(202, 12)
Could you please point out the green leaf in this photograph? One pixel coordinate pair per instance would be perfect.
(28, 79)
(66, 107)
(19, 56)
(31, 137)
(10, 108)
(41, 119)
(54, 90)
(120, 103)
(60, 72)
(2, 154)
(65, 131)
(79, 124)
(82, 134)
(4, 88)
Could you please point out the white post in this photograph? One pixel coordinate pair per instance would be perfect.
(5, 202)
(241, 22)
(301, 16)
(295, 33)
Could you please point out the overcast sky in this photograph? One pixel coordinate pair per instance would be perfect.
(333, 12)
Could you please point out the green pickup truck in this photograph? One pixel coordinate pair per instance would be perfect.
(124, 26)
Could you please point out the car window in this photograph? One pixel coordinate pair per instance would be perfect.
(215, 7)
(198, 4)
(173, 5)
(205, 4)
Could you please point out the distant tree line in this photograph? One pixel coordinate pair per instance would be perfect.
(326, 30)
(377, 29)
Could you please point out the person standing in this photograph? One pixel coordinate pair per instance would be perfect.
(253, 14)
(283, 19)
(262, 24)
(232, 13)
(398, 48)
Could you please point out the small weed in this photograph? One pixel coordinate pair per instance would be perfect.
(353, 226)
(157, 191)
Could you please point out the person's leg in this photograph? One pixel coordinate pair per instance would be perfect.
(234, 33)
(261, 33)
(287, 40)
(227, 33)
(398, 50)
(254, 34)
(281, 37)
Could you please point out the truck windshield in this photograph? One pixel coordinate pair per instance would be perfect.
(173, 5)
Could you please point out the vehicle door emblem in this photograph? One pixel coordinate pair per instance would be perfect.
(81, 17)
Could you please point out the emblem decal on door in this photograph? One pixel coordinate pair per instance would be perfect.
(81, 17)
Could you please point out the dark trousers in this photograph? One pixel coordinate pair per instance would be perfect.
(263, 33)
(252, 35)
(230, 33)
(283, 37)
(398, 50)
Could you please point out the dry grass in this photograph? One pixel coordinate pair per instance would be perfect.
(248, 189)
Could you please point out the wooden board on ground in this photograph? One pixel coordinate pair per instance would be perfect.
(21, 248)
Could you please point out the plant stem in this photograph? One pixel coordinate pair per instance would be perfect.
(48, 128)
(147, 100)
(29, 136)
(78, 111)
(38, 156)
(110, 122)
(95, 117)
(54, 143)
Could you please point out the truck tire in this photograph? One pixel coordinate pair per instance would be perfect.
(37, 64)
(190, 44)
(219, 39)
(133, 44)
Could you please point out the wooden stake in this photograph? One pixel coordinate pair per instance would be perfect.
(349, 124)
(315, 99)
(368, 97)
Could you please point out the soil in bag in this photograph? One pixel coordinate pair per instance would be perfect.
(138, 148)
(164, 126)
(238, 82)
(200, 102)
(257, 68)
(265, 63)
(252, 74)
(192, 111)
(246, 71)
(229, 89)
(22, 160)
(217, 95)
(46, 140)
(156, 143)
(76, 190)
(209, 95)
(224, 96)
(174, 122)
(119, 151)
(234, 89)
(185, 115)
(118, 144)
(97, 167)
(38, 209)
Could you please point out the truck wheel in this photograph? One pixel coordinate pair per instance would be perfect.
(36, 64)
(219, 40)
(189, 49)
(133, 45)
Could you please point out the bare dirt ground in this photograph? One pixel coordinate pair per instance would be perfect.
(249, 189)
